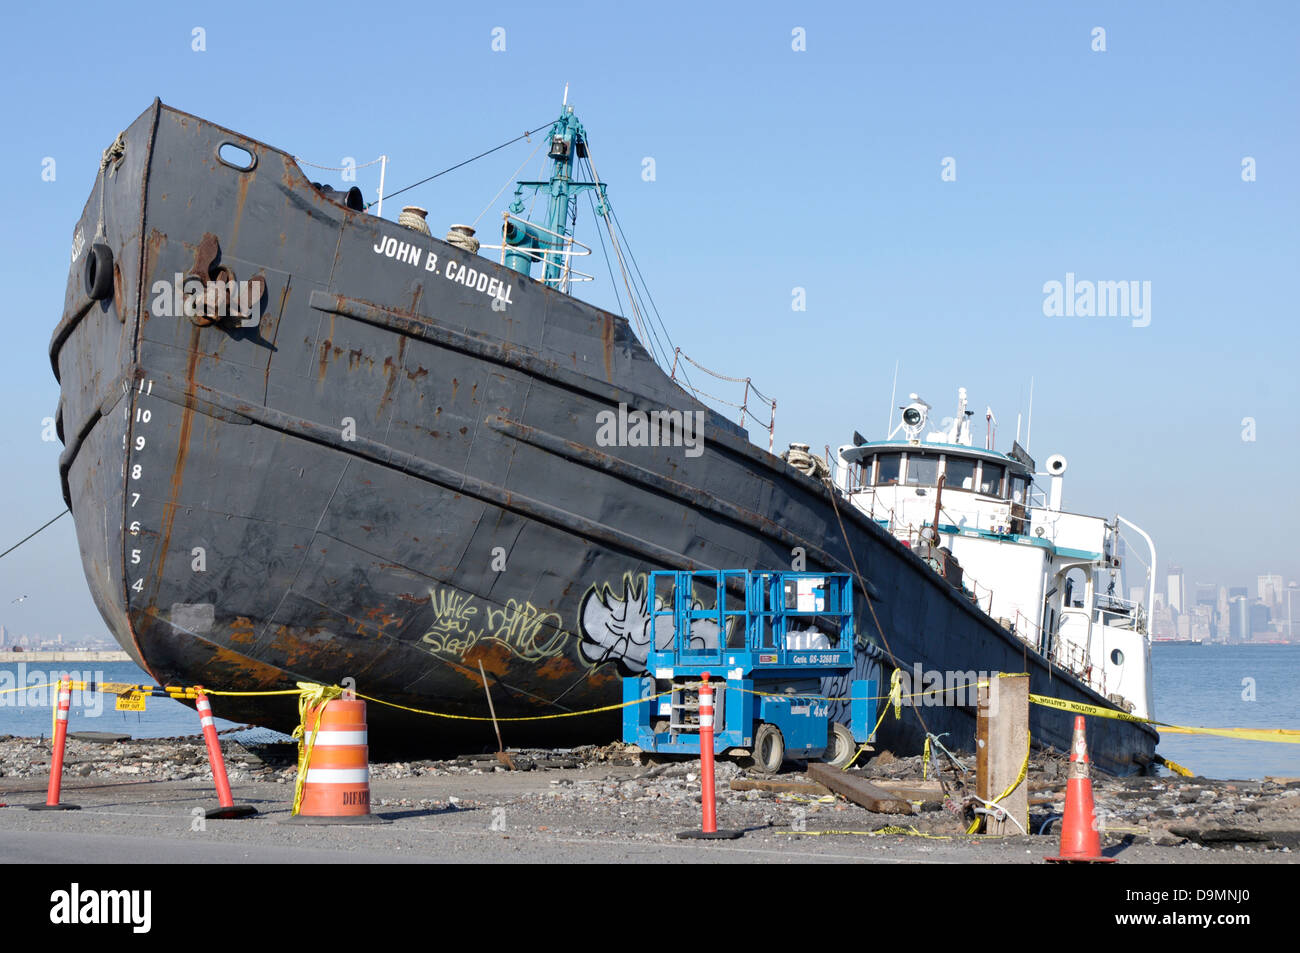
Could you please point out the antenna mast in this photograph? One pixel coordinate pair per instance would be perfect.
(1029, 426)
(893, 393)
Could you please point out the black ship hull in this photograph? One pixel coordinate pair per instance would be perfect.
(393, 474)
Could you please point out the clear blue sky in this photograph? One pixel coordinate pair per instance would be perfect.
(777, 169)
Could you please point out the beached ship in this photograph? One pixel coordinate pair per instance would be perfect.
(1051, 577)
(304, 442)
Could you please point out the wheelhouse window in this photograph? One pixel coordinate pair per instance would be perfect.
(960, 473)
(991, 478)
(1019, 489)
(922, 469)
(888, 466)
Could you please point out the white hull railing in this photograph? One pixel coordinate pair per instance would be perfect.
(1134, 612)
(560, 252)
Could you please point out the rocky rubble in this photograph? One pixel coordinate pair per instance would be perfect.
(1195, 813)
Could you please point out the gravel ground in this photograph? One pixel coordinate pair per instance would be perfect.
(582, 804)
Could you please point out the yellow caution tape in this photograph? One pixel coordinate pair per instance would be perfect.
(1024, 769)
(310, 695)
(896, 697)
(117, 688)
(882, 832)
(861, 748)
(281, 691)
(1175, 767)
(1287, 735)
(1082, 708)
(26, 688)
(565, 714)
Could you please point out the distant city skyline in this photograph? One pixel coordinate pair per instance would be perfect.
(1270, 610)
(9, 638)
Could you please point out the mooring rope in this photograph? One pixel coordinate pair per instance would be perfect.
(466, 162)
(30, 535)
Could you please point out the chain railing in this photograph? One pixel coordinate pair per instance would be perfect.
(745, 413)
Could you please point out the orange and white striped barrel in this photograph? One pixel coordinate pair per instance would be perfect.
(338, 775)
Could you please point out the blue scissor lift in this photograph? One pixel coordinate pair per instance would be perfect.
(765, 660)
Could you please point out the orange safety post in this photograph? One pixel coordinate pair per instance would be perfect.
(228, 810)
(708, 802)
(56, 761)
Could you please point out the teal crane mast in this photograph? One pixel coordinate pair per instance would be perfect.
(527, 242)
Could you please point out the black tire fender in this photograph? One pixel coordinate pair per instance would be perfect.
(99, 272)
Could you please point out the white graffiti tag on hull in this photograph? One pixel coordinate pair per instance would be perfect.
(617, 629)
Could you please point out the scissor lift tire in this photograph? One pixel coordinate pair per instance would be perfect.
(769, 749)
(839, 746)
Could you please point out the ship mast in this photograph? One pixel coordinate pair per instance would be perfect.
(552, 243)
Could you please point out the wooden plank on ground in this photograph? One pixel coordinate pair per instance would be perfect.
(912, 790)
(1046, 785)
(781, 787)
(859, 790)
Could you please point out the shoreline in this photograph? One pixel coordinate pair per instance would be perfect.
(82, 655)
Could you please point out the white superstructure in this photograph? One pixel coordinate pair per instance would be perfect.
(1051, 577)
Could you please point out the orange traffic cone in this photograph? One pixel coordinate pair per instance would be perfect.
(1080, 842)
